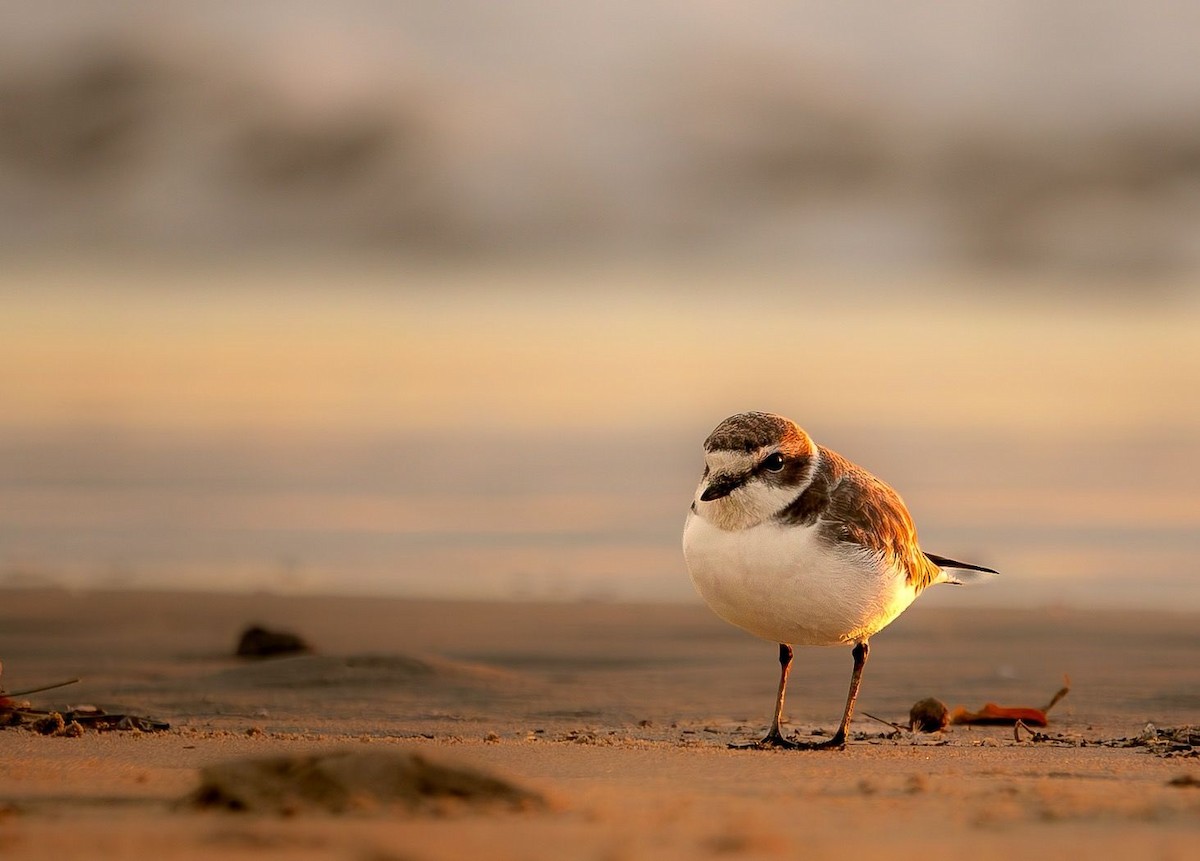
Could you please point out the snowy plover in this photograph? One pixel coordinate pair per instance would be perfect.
(796, 544)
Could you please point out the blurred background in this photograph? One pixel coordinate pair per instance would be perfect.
(442, 298)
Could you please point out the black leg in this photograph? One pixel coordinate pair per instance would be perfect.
(861, 650)
(785, 667)
(775, 739)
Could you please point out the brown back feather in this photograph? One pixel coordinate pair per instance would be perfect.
(851, 506)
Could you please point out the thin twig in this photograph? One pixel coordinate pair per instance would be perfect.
(1019, 725)
(895, 726)
(42, 688)
(1062, 692)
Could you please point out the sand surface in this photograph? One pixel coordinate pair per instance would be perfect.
(618, 714)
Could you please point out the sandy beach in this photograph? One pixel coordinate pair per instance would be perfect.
(619, 715)
(397, 329)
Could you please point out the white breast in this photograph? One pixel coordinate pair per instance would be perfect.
(781, 583)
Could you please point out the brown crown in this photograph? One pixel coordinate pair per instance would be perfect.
(750, 431)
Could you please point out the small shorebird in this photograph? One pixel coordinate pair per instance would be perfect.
(794, 543)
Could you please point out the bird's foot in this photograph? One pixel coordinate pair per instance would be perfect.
(774, 740)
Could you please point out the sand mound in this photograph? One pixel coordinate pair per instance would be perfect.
(373, 671)
(354, 781)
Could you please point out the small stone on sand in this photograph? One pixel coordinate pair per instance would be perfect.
(259, 642)
(929, 715)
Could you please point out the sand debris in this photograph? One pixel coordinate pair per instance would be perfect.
(72, 723)
(68, 723)
(355, 781)
(1167, 742)
(933, 715)
(1177, 741)
(9, 705)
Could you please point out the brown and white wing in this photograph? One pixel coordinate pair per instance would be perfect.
(854, 509)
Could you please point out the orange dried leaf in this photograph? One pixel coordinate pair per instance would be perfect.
(994, 715)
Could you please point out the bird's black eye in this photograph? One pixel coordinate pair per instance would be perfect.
(773, 462)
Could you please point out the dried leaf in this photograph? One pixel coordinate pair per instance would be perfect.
(994, 715)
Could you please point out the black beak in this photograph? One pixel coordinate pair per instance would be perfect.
(720, 488)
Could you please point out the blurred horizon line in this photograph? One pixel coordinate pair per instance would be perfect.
(136, 271)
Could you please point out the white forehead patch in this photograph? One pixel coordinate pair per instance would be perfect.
(730, 462)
